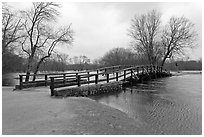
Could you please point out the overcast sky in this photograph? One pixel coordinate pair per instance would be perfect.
(100, 27)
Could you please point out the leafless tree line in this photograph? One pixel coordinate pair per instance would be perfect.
(33, 34)
(157, 43)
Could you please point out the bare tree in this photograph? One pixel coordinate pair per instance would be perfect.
(84, 59)
(11, 26)
(177, 36)
(40, 36)
(118, 56)
(144, 30)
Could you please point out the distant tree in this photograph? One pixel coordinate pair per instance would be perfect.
(84, 59)
(11, 35)
(118, 56)
(177, 36)
(144, 30)
(80, 62)
(62, 61)
(12, 63)
(184, 65)
(40, 35)
(11, 27)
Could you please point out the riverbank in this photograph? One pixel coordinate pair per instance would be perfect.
(34, 112)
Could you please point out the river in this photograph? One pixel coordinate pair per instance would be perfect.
(171, 106)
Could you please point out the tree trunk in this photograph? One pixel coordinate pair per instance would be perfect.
(163, 61)
(38, 66)
(30, 61)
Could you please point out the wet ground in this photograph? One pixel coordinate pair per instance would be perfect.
(34, 112)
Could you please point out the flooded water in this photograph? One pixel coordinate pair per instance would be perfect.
(164, 106)
(10, 79)
(170, 105)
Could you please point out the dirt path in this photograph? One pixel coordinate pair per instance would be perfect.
(33, 111)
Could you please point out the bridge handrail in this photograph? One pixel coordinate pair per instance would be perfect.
(78, 77)
(86, 74)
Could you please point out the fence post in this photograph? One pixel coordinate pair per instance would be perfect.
(137, 70)
(64, 78)
(107, 77)
(88, 77)
(45, 79)
(116, 76)
(131, 74)
(78, 80)
(20, 82)
(76, 76)
(142, 69)
(96, 79)
(124, 75)
(52, 86)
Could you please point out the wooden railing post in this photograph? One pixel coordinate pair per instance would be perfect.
(131, 73)
(88, 77)
(76, 76)
(52, 86)
(78, 80)
(64, 78)
(45, 79)
(142, 69)
(124, 75)
(137, 70)
(107, 78)
(116, 76)
(96, 79)
(20, 82)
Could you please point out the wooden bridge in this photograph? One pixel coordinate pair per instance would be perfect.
(84, 83)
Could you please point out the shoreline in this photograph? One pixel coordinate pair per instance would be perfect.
(183, 72)
(34, 112)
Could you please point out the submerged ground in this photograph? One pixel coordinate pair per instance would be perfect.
(33, 111)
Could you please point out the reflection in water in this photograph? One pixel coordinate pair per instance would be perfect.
(165, 106)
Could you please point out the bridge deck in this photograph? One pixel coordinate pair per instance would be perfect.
(103, 77)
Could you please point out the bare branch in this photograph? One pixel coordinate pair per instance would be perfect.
(178, 35)
(143, 30)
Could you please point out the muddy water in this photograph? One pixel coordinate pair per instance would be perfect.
(164, 106)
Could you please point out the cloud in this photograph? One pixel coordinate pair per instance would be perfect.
(102, 26)
(97, 28)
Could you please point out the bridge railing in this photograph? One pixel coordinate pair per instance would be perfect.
(104, 76)
(43, 78)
